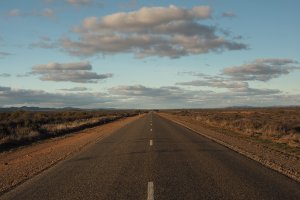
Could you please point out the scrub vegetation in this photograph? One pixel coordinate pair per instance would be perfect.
(24, 127)
(277, 125)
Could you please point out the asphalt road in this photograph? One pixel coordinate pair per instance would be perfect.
(153, 158)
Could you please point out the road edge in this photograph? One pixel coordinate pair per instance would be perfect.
(70, 154)
(266, 163)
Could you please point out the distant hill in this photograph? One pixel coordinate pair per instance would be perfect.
(28, 108)
(240, 107)
(254, 107)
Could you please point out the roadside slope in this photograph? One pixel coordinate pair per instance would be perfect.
(21, 164)
(284, 163)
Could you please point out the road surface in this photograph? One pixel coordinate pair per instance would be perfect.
(154, 158)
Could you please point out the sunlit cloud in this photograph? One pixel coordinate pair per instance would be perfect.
(263, 69)
(150, 31)
(235, 79)
(79, 72)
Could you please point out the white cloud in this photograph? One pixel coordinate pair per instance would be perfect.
(12, 97)
(262, 69)
(139, 96)
(140, 90)
(84, 65)
(177, 97)
(152, 16)
(79, 72)
(246, 91)
(217, 83)
(235, 78)
(150, 31)
(235, 88)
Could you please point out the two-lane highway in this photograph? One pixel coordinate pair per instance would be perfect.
(153, 158)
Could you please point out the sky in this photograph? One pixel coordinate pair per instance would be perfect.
(149, 54)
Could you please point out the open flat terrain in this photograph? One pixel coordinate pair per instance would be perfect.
(154, 158)
(280, 126)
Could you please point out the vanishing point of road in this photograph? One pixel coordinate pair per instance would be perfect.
(154, 158)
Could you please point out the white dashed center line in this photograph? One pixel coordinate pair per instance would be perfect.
(151, 129)
(150, 191)
(151, 142)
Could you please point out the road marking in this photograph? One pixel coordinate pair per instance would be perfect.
(150, 129)
(151, 142)
(150, 191)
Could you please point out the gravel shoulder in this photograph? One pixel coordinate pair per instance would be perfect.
(284, 163)
(21, 164)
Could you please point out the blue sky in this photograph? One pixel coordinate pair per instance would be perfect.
(149, 54)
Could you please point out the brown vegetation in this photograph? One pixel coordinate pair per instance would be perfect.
(24, 127)
(280, 125)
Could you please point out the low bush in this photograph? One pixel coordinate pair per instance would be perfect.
(24, 127)
(280, 125)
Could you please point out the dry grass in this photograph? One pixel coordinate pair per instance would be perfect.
(279, 125)
(24, 127)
